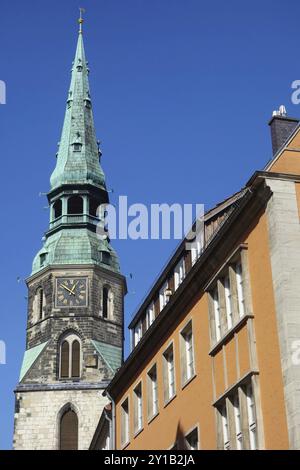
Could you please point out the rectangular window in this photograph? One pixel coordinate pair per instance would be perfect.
(237, 421)
(240, 289)
(251, 417)
(192, 440)
(138, 333)
(125, 422)
(217, 314)
(228, 303)
(163, 299)
(224, 418)
(187, 353)
(138, 408)
(169, 374)
(150, 315)
(179, 273)
(152, 392)
(196, 249)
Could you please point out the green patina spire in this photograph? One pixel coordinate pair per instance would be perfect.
(77, 184)
(78, 155)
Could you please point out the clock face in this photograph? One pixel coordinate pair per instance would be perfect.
(71, 292)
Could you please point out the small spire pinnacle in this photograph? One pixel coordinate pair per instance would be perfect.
(81, 20)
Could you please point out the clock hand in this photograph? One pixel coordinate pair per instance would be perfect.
(69, 290)
(74, 287)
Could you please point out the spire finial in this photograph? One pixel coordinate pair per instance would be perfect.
(81, 20)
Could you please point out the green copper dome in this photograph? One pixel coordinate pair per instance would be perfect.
(75, 246)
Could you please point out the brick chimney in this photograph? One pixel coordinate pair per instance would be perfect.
(281, 128)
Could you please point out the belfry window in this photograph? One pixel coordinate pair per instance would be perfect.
(75, 205)
(94, 207)
(107, 302)
(70, 358)
(41, 303)
(68, 435)
(38, 304)
(57, 209)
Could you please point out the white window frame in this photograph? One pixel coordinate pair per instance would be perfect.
(163, 298)
(153, 395)
(150, 317)
(217, 313)
(169, 366)
(228, 301)
(225, 427)
(138, 332)
(196, 250)
(125, 420)
(251, 417)
(188, 353)
(179, 273)
(240, 288)
(237, 421)
(138, 407)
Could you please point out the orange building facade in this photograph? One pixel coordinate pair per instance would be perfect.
(214, 361)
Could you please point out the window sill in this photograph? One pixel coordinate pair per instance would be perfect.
(186, 383)
(69, 379)
(230, 333)
(152, 418)
(244, 379)
(167, 402)
(138, 431)
(123, 446)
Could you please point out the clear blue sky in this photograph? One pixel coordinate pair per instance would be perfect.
(182, 93)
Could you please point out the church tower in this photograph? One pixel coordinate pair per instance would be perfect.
(74, 343)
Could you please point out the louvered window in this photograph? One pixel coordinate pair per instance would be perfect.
(65, 353)
(69, 431)
(75, 358)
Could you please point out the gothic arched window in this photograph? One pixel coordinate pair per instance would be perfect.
(68, 430)
(75, 205)
(75, 359)
(70, 357)
(64, 359)
(107, 302)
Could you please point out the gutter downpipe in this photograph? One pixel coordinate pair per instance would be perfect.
(112, 422)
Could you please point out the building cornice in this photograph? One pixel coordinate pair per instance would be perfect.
(224, 242)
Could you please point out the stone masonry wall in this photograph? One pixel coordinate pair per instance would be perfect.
(38, 417)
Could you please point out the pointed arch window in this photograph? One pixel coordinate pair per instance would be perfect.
(75, 358)
(70, 357)
(68, 430)
(65, 359)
